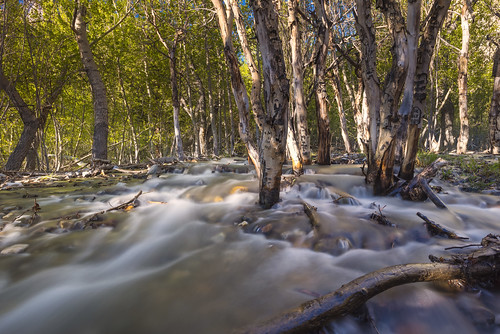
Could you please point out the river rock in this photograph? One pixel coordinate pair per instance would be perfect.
(14, 249)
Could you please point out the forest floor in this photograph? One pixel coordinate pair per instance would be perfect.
(478, 172)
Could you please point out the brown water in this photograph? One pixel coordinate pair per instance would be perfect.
(185, 266)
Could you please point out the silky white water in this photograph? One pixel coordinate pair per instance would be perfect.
(198, 256)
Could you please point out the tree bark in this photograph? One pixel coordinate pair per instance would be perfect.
(255, 92)
(172, 58)
(213, 118)
(425, 51)
(366, 32)
(321, 97)
(495, 106)
(276, 96)
(299, 107)
(238, 86)
(463, 138)
(382, 103)
(100, 101)
(340, 106)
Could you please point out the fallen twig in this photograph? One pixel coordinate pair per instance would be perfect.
(436, 229)
(122, 206)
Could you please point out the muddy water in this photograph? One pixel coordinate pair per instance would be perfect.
(198, 256)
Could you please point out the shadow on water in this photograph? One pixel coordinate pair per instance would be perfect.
(198, 256)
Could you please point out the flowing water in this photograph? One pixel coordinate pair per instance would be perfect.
(198, 256)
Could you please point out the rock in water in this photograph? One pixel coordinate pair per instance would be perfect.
(14, 249)
(153, 170)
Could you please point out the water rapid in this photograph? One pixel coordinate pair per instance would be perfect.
(198, 256)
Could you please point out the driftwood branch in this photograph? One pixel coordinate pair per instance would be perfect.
(436, 229)
(95, 216)
(477, 266)
(312, 214)
(418, 188)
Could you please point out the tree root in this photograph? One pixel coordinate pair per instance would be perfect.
(474, 267)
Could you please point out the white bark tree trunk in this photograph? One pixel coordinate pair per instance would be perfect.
(277, 90)
(299, 107)
(463, 138)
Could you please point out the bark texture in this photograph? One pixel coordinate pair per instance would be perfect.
(495, 106)
(425, 51)
(463, 138)
(100, 101)
(321, 97)
(382, 102)
(237, 84)
(299, 107)
(276, 97)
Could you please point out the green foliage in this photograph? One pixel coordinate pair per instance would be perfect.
(39, 46)
(424, 159)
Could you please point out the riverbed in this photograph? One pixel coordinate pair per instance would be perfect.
(195, 254)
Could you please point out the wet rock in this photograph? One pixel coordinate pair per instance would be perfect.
(10, 208)
(153, 170)
(333, 245)
(70, 225)
(14, 249)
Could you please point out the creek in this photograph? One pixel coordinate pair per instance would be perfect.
(198, 256)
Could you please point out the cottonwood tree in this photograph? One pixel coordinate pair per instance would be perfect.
(225, 19)
(319, 69)
(33, 108)
(299, 111)
(425, 51)
(276, 97)
(495, 105)
(170, 39)
(465, 18)
(382, 99)
(273, 121)
(100, 100)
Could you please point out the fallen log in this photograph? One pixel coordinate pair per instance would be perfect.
(418, 188)
(474, 267)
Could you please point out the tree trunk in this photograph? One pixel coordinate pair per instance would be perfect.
(299, 107)
(238, 86)
(366, 32)
(322, 44)
(213, 118)
(231, 120)
(463, 138)
(293, 149)
(100, 137)
(357, 99)
(172, 57)
(255, 92)
(495, 106)
(129, 114)
(383, 106)
(425, 51)
(340, 105)
(276, 89)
